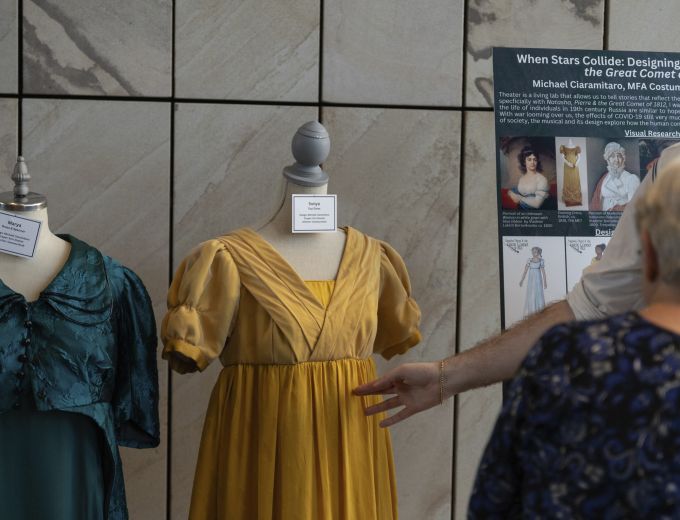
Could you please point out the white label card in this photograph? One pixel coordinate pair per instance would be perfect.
(18, 235)
(315, 213)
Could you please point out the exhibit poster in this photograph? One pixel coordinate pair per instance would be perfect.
(576, 133)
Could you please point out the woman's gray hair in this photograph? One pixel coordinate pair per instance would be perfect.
(658, 212)
(613, 148)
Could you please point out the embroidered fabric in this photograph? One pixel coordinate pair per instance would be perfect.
(87, 345)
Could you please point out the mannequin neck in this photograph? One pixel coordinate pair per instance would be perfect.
(314, 256)
(29, 276)
(280, 223)
(39, 215)
(45, 236)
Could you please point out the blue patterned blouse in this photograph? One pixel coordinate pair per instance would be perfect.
(87, 345)
(590, 427)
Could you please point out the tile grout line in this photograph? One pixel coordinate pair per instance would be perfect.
(20, 76)
(459, 270)
(320, 85)
(459, 261)
(171, 242)
(174, 99)
(171, 194)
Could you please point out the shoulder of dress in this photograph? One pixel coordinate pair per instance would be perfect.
(111, 264)
(217, 243)
(115, 272)
(384, 249)
(207, 248)
(359, 239)
(235, 238)
(120, 276)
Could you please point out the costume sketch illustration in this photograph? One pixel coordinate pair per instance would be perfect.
(536, 283)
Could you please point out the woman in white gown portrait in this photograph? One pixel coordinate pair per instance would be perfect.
(532, 189)
(537, 282)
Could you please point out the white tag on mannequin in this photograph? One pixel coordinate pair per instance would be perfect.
(315, 213)
(18, 235)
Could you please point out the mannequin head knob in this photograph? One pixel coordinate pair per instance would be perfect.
(21, 198)
(20, 176)
(311, 146)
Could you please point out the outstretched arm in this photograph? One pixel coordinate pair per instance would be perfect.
(416, 386)
(609, 287)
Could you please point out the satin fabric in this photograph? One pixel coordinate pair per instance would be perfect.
(52, 465)
(86, 346)
(284, 438)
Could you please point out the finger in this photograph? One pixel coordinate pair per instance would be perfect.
(378, 386)
(388, 404)
(397, 417)
(387, 391)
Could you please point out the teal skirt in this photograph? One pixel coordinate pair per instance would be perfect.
(51, 466)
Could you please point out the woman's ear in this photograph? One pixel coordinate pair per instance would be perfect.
(650, 260)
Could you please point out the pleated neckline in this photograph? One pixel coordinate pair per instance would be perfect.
(278, 263)
(281, 290)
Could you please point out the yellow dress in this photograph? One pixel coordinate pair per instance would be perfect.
(284, 438)
(571, 187)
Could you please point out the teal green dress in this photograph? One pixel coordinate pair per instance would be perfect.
(78, 378)
(43, 454)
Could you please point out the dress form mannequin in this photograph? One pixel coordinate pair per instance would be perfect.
(29, 276)
(315, 256)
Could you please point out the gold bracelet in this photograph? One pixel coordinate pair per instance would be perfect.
(442, 381)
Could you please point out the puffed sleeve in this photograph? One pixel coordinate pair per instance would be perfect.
(135, 401)
(398, 313)
(202, 306)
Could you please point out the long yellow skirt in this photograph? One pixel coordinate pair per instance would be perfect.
(292, 442)
(571, 190)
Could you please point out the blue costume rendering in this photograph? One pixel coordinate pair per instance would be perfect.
(535, 299)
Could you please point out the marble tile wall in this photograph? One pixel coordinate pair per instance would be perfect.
(9, 62)
(566, 24)
(8, 141)
(644, 27)
(96, 47)
(386, 52)
(248, 74)
(266, 50)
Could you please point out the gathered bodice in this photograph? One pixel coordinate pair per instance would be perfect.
(235, 297)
